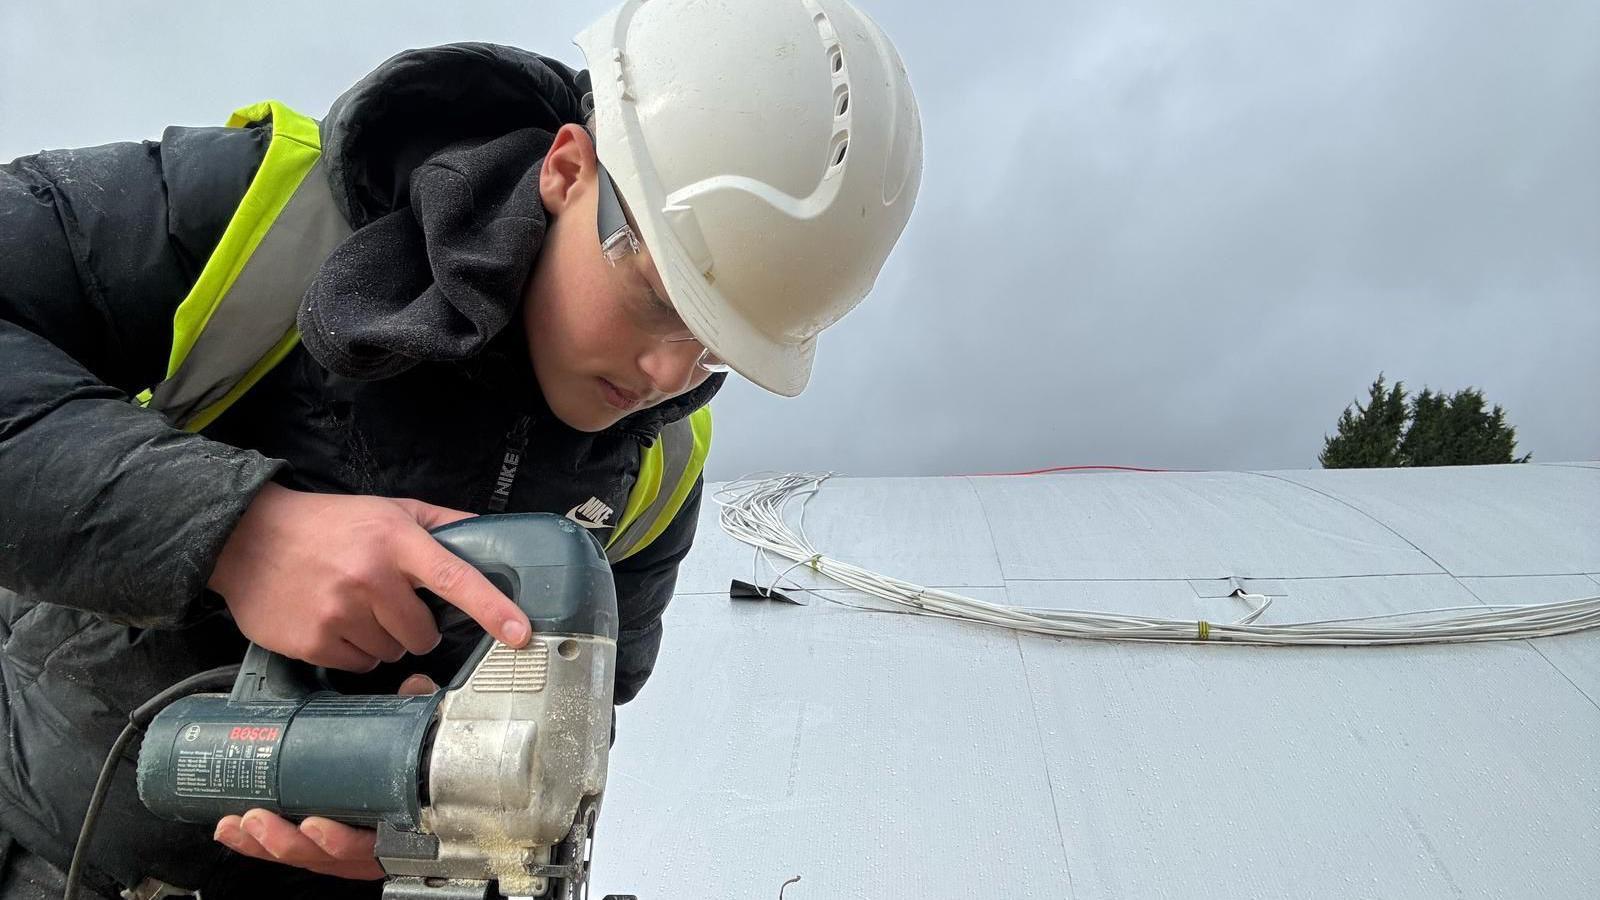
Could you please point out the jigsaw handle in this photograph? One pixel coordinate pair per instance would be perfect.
(550, 567)
(284, 741)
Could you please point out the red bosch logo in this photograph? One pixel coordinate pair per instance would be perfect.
(258, 733)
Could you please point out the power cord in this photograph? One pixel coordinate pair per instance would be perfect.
(138, 720)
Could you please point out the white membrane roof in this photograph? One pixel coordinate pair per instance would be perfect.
(883, 755)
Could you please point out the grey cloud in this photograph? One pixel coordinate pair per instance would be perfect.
(1152, 233)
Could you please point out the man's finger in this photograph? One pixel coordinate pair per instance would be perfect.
(341, 841)
(372, 638)
(407, 619)
(347, 656)
(417, 685)
(431, 566)
(234, 838)
(280, 841)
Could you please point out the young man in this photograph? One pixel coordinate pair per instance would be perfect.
(497, 309)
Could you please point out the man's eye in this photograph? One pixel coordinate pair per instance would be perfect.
(659, 304)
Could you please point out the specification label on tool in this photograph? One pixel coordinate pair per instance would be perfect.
(215, 759)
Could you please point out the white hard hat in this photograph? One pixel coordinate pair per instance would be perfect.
(770, 152)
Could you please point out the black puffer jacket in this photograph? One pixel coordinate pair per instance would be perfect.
(111, 521)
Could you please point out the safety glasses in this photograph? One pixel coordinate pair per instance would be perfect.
(620, 245)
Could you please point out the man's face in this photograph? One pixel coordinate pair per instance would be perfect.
(595, 327)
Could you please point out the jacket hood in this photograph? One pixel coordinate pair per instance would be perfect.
(433, 159)
(420, 101)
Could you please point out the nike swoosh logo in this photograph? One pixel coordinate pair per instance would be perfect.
(575, 516)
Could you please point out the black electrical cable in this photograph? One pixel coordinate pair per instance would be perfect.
(138, 721)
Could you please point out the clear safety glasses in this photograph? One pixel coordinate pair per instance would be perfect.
(620, 244)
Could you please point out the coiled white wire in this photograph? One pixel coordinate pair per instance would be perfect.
(753, 512)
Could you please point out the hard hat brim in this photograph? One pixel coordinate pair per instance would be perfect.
(780, 367)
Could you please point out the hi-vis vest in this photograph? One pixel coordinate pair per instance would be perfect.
(239, 319)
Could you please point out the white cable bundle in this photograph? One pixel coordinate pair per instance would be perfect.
(753, 513)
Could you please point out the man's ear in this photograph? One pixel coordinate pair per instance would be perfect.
(568, 168)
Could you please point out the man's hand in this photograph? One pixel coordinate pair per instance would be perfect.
(320, 845)
(331, 579)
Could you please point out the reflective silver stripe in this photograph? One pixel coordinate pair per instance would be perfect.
(677, 447)
(260, 307)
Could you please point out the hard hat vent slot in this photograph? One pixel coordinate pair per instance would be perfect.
(830, 37)
(842, 103)
(842, 143)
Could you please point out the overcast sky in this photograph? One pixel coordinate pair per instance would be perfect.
(1168, 234)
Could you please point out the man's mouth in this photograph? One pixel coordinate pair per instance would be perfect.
(626, 401)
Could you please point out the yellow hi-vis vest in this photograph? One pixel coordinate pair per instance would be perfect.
(239, 319)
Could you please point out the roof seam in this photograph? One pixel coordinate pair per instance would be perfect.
(1044, 760)
(1563, 674)
(1382, 524)
(848, 590)
(1535, 648)
(1245, 578)
(994, 546)
(1526, 575)
(1458, 579)
(1009, 581)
